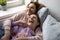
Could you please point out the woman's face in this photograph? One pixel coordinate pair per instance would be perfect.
(31, 8)
(33, 21)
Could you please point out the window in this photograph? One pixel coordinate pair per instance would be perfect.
(28, 1)
(12, 3)
(9, 0)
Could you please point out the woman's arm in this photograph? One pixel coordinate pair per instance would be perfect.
(37, 37)
(6, 26)
(17, 16)
(6, 35)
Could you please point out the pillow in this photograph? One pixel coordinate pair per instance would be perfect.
(51, 29)
(42, 13)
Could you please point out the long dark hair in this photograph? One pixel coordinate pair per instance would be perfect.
(38, 5)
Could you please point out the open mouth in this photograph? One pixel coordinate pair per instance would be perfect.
(31, 21)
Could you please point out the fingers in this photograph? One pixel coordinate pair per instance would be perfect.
(22, 38)
(20, 35)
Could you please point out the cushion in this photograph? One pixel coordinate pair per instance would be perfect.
(51, 29)
(42, 13)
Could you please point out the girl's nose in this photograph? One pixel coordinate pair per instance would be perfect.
(29, 19)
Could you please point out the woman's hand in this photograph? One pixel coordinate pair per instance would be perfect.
(23, 21)
(6, 35)
(21, 36)
(4, 38)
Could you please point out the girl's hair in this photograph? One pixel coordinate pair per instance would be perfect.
(39, 23)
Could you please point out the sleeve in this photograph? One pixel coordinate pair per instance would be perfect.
(38, 35)
(7, 24)
(17, 16)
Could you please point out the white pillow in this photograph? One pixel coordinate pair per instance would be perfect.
(51, 29)
(43, 12)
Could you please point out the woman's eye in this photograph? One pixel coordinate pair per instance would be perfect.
(32, 7)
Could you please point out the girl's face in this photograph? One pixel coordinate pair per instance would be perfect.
(31, 8)
(33, 21)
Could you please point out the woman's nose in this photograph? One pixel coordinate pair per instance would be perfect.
(29, 9)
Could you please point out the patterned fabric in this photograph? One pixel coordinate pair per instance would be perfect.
(20, 29)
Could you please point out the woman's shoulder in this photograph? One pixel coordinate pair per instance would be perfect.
(22, 12)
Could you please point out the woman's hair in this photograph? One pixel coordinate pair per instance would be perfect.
(38, 5)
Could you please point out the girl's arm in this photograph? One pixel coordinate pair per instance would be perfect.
(38, 36)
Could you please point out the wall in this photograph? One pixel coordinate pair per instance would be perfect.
(27, 2)
(0, 7)
(54, 7)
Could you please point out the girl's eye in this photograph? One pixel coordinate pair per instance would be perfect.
(34, 18)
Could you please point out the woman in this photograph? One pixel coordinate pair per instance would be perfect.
(31, 9)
